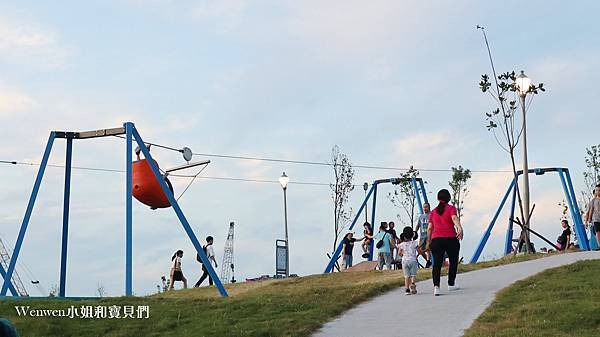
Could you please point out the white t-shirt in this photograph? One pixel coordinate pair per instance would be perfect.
(409, 250)
(210, 251)
(177, 263)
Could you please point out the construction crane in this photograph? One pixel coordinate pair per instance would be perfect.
(16, 279)
(227, 267)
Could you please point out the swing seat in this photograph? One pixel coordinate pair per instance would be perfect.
(145, 188)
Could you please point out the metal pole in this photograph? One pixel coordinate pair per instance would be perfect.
(525, 173)
(128, 211)
(25, 223)
(488, 231)
(65, 229)
(287, 242)
(509, 231)
(373, 209)
(182, 219)
(366, 188)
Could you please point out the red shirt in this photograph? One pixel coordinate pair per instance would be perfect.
(443, 227)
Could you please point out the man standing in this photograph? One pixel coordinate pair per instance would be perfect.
(593, 215)
(210, 253)
(347, 247)
(422, 224)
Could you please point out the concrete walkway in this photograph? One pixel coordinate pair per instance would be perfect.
(395, 314)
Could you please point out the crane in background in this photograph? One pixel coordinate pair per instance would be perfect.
(227, 267)
(16, 279)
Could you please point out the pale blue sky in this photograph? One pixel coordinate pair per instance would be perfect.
(392, 83)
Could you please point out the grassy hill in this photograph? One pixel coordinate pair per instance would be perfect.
(563, 301)
(293, 307)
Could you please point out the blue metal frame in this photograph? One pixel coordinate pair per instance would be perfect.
(373, 211)
(179, 212)
(567, 185)
(25, 223)
(12, 289)
(65, 229)
(373, 192)
(130, 134)
(128, 210)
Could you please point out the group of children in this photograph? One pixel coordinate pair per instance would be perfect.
(393, 248)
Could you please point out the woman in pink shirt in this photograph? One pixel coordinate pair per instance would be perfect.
(444, 233)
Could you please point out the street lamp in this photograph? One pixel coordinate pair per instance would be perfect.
(523, 84)
(283, 181)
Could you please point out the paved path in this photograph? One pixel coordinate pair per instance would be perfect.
(395, 314)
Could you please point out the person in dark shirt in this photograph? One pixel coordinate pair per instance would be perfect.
(368, 238)
(347, 247)
(392, 231)
(565, 238)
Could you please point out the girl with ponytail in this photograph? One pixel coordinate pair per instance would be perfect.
(176, 273)
(444, 233)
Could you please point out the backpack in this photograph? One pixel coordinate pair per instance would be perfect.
(198, 255)
(380, 242)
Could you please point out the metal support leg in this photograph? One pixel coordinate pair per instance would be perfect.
(373, 211)
(65, 229)
(581, 235)
(422, 184)
(509, 231)
(25, 223)
(578, 219)
(179, 212)
(338, 250)
(12, 289)
(488, 231)
(417, 196)
(128, 211)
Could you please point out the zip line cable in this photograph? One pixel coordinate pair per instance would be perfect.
(98, 169)
(308, 162)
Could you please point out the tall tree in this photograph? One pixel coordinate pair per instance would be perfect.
(591, 176)
(340, 190)
(404, 197)
(458, 185)
(503, 121)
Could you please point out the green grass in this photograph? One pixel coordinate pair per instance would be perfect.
(563, 301)
(293, 307)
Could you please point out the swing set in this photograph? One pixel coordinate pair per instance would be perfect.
(418, 185)
(143, 180)
(567, 185)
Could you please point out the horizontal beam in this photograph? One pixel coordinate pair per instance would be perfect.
(91, 134)
(187, 166)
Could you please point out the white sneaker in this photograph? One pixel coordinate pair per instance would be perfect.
(453, 288)
(436, 291)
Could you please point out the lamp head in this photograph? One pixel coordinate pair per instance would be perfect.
(523, 84)
(284, 180)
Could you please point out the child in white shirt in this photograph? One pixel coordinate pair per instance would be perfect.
(408, 250)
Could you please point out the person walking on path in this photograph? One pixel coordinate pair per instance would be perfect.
(443, 235)
(593, 215)
(210, 253)
(422, 225)
(408, 250)
(176, 272)
(347, 247)
(383, 242)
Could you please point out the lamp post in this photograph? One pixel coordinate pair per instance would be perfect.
(523, 85)
(284, 180)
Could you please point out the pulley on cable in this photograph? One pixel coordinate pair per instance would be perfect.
(146, 189)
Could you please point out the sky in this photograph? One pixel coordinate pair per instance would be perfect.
(392, 83)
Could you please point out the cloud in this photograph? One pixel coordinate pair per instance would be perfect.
(432, 148)
(14, 102)
(23, 42)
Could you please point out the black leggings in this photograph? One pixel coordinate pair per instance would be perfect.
(439, 247)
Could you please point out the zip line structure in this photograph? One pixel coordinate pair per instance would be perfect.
(151, 168)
